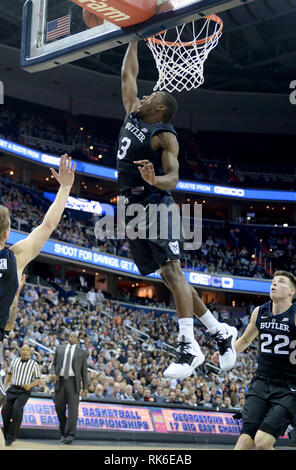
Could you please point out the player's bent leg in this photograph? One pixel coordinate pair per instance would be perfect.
(244, 442)
(189, 354)
(199, 308)
(264, 441)
(275, 422)
(224, 335)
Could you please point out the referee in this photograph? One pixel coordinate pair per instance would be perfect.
(23, 374)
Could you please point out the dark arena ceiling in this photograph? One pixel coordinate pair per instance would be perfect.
(256, 53)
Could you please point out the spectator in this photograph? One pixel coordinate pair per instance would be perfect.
(147, 395)
(106, 388)
(99, 299)
(232, 394)
(83, 283)
(129, 365)
(160, 343)
(217, 404)
(128, 394)
(199, 396)
(139, 389)
(54, 299)
(206, 402)
(28, 294)
(98, 394)
(91, 298)
(158, 395)
(172, 398)
(240, 405)
(227, 403)
(116, 393)
(42, 387)
(193, 401)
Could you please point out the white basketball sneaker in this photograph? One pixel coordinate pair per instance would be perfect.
(225, 342)
(189, 356)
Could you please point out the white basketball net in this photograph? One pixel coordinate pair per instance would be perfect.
(180, 64)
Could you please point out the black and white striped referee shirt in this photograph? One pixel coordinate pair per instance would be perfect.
(23, 372)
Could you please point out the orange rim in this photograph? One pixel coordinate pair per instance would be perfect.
(215, 18)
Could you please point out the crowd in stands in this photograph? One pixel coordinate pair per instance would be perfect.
(238, 250)
(91, 138)
(244, 251)
(241, 160)
(127, 350)
(41, 132)
(242, 176)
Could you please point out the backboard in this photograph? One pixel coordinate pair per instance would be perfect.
(54, 33)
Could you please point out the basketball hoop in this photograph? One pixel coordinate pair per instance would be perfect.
(180, 63)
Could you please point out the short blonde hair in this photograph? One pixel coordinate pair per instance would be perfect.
(4, 221)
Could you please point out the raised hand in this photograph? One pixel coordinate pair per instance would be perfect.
(147, 171)
(65, 176)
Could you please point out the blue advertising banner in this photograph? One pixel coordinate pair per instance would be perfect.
(123, 265)
(184, 186)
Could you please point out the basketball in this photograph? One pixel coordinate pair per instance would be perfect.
(90, 19)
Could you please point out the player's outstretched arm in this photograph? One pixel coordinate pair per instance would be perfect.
(249, 334)
(26, 250)
(129, 75)
(14, 307)
(7, 380)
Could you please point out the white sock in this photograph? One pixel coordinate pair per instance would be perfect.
(186, 327)
(211, 323)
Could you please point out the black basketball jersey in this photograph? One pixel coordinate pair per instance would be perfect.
(135, 144)
(277, 343)
(8, 284)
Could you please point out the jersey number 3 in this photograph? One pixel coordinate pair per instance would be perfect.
(124, 146)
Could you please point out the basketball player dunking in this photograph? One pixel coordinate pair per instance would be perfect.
(13, 260)
(271, 398)
(148, 170)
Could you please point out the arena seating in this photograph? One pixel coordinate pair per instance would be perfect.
(127, 350)
(204, 157)
(238, 249)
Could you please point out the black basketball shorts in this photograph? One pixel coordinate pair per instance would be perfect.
(270, 407)
(151, 252)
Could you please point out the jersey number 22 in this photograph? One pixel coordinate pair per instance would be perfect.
(281, 342)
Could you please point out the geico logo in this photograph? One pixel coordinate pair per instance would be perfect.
(51, 160)
(213, 281)
(197, 278)
(229, 191)
(104, 8)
